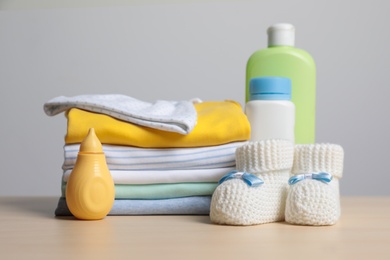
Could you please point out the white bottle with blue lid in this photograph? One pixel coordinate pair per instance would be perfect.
(270, 111)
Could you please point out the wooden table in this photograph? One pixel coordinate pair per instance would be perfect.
(29, 230)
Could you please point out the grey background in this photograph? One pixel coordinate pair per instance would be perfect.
(178, 51)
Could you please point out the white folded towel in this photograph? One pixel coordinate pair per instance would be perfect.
(163, 176)
(172, 116)
(134, 158)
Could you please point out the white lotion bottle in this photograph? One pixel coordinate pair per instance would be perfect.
(270, 111)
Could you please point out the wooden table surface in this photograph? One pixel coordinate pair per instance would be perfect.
(29, 230)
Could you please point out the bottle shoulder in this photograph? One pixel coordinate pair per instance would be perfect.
(270, 103)
(283, 53)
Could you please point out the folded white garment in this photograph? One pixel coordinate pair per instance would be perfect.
(133, 158)
(172, 116)
(168, 176)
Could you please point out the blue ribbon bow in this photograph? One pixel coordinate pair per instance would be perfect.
(321, 176)
(248, 178)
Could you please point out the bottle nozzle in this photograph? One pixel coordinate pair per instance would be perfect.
(91, 143)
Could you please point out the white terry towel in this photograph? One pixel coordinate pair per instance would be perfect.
(172, 116)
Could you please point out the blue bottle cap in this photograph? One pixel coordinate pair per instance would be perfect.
(270, 88)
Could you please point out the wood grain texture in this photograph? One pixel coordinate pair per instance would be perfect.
(29, 230)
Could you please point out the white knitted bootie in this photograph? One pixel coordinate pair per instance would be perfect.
(239, 201)
(313, 196)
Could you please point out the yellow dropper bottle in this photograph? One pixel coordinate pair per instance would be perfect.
(90, 191)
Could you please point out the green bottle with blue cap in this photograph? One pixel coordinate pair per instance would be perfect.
(282, 59)
(270, 111)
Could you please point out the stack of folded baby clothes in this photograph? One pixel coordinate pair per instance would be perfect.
(164, 158)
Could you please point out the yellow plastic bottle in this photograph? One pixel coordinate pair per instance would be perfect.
(90, 191)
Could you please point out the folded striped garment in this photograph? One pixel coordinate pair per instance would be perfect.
(166, 176)
(133, 158)
(195, 205)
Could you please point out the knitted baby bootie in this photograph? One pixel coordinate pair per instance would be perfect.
(256, 192)
(313, 196)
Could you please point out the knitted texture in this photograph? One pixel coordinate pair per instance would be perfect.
(235, 203)
(312, 202)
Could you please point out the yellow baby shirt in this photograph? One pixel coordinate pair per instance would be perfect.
(218, 122)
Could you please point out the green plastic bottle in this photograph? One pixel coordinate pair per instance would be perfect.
(282, 59)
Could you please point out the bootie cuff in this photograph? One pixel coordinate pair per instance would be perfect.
(314, 158)
(265, 156)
